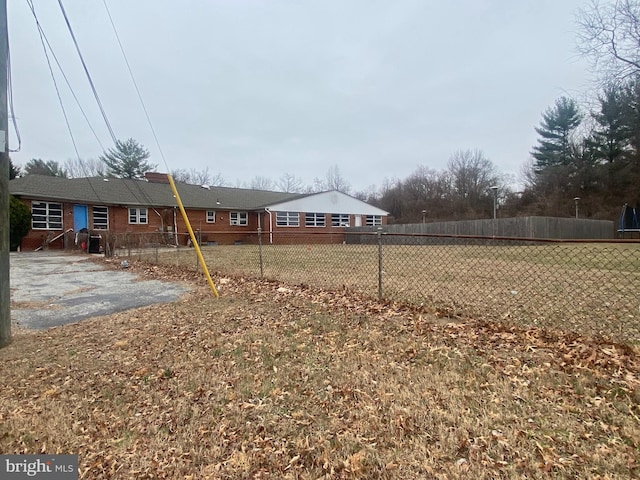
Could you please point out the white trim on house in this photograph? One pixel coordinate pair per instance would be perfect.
(328, 202)
(336, 205)
(46, 215)
(239, 219)
(287, 219)
(138, 216)
(100, 217)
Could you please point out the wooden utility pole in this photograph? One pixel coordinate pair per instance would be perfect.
(5, 293)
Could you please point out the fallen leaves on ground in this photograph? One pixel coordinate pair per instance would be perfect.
(287, 381)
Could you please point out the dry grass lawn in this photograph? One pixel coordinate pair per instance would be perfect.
(584, 287)
(280, 381)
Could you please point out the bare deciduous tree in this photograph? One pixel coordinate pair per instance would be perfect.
(472, 174)
(289, 183)
(369, 195)
(333, 180)
(261, 183)
(609, 36)
(218, 180)
(81, 168)
(197, 177)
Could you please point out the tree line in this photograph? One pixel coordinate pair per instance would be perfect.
(130, 159)
(593, 153)
(587, 154)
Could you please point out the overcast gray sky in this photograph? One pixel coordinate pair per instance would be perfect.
(249, 87)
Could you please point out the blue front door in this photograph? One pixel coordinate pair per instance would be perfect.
(80, 217)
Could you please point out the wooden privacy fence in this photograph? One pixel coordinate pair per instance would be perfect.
(586, 286)
(517, 227)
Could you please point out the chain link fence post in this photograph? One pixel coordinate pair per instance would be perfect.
(260, 252)
(379, 235)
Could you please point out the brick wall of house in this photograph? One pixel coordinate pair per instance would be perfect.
(119, 222)
(282, 235)
(37, 238)
(220, 232)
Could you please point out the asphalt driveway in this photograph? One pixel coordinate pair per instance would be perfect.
(52, 288)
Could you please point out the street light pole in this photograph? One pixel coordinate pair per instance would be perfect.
(576, 199)
(495, 201)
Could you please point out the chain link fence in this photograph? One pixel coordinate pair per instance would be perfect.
(587, 287)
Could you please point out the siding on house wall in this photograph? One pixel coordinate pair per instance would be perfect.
(280, 235)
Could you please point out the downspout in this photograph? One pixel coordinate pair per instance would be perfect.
(175, 226)
(161, 220)
(270, 226)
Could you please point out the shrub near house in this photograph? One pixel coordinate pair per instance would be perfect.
(19, 222)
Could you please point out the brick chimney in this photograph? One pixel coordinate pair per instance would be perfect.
(155, 177)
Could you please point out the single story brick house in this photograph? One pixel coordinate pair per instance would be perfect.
(62, 207)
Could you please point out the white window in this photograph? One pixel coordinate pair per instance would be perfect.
(373, 220)
(46, 216)
(314, 220)
(138, 216)
(211, 216)
(287, 219)
(101, 218)
(339, 219)
(239, 218)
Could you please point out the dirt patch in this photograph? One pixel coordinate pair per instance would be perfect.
(34, 306)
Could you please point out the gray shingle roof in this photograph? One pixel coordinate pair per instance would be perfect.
(118, 191)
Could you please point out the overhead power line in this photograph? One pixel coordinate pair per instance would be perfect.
(135, 84)
(86, 71)
(55, 84)
(43, 35)
(10, 101)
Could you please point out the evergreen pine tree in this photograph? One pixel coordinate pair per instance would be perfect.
(555, 147)
(611, 135)
(14, 170)
(51, 168)
(127, 160)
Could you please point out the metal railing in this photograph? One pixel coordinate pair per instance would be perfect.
(589, 287)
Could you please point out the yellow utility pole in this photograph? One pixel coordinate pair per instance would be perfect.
(193, 237)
